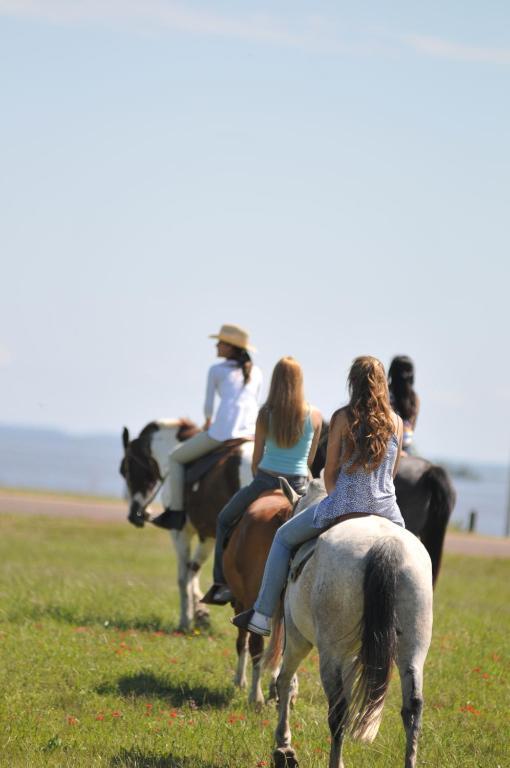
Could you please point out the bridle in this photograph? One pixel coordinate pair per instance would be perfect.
(159, 485)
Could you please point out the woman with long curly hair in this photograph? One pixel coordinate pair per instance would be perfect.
(364, 444)
(286, 436)
(403, 398)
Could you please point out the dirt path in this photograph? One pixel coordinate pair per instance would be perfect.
(14, 502)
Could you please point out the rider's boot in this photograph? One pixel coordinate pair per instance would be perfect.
(170, 519)
(253, 621)
(218, 594)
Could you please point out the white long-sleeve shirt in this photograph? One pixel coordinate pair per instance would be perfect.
(239, 402)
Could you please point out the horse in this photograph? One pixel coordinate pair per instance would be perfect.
(244, 559)
(144, 467)
(364, 599)
(425, 496)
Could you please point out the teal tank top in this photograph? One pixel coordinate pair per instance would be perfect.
(289, 461)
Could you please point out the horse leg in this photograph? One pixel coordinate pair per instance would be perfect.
(414, 615)
(182, 543)
(200, 555)
(296, 648)
(412, 708)
(331, 676)
(242, 657)
(256, 647)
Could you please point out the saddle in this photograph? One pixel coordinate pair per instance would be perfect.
(195, 470)
(305, 551)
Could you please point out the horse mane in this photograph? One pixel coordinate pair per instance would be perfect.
(149, 430)
(187, 429)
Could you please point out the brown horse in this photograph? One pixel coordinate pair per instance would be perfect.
(145, 468)
(243, 563)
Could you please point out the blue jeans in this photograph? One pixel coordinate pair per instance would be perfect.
(298, 529)
(234, 510)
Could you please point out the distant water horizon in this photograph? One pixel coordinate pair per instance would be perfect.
(53, 460)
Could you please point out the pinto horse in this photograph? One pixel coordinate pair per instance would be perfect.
(145, 466)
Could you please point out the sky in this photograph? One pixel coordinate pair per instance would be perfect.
(332, 176)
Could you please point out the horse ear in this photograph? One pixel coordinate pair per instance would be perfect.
(289, 492)
(125, 438)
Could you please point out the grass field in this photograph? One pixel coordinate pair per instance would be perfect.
(92, 673)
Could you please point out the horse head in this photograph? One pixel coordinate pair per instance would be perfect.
(140, 470)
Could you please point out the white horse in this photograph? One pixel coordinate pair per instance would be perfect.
(145, 467)
(364, 599)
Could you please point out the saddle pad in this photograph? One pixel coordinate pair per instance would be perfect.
(301, 558)
(195, 470)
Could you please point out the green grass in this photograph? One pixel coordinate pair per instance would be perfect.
(91, 673)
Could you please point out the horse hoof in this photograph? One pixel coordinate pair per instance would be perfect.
(273, 692)
(285, 758)
(202, 619)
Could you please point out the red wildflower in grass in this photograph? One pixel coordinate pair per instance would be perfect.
(475, 669)
(71, 720)
(265, 723)
(226, 652)
(173, 661)
(100, 716)
(173, 713)
(158, 633)
(262, 763)
(116, 713)
(496, 657)
(469, 708)
(81, 629)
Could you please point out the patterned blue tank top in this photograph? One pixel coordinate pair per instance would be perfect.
(369, 492)
(289, 461)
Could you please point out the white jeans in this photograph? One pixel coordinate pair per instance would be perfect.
(199, 445)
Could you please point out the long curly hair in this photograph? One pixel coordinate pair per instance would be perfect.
(284, 412)
(401, 384)
(369, 422)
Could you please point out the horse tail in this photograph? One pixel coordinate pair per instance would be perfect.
(273, 653)
(372, 667)
(442, 501)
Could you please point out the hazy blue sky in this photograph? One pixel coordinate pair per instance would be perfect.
(333, 176)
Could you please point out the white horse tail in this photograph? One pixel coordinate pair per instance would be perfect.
(371, 671)
(273, 653)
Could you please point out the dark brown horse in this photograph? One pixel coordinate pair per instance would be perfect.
(145, 469)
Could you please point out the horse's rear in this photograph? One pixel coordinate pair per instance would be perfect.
(243, 564)
(365, 600)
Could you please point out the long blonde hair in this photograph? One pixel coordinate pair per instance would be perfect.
(284, 412)
(369, 421)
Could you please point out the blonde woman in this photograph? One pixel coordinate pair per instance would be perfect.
(365, 440)
(286, 438)
(236, 382)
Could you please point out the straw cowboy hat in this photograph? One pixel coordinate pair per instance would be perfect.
(233, 334)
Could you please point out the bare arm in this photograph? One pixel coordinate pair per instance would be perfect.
(399, 431)
(258, 448)
(317, 426)
(415, 417)
(332, 467)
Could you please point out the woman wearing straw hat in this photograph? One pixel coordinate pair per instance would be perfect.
(237, 382)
